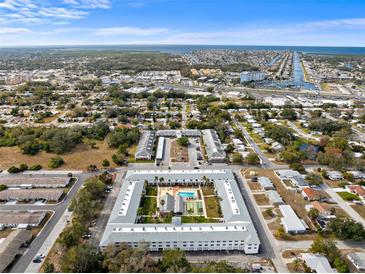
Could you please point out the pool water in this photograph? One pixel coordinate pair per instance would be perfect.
(185, 194)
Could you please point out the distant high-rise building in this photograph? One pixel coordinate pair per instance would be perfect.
(248, 76)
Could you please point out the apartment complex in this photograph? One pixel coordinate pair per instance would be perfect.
(234, 232)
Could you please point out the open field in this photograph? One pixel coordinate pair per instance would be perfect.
(80, 157)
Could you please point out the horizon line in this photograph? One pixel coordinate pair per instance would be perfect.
(167, 44)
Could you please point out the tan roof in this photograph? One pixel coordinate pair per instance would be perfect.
(15, 218)
(17, 181)
(31, 194)
(9, 248)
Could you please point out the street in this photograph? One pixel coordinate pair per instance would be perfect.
(50, 231)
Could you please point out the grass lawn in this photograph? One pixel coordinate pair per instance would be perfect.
(359, 209)
(149, 206)
(347, 196)
(197, 219)
(212, 207)
(151, 190)
(151, 220)
(78, 159)
(207, 190)
(340, 213)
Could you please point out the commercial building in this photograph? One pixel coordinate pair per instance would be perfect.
(213, 146)
(290, 221)
(145, 146)
(248, 76)
(234, 232)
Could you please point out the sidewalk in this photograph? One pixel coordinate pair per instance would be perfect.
(50, 241)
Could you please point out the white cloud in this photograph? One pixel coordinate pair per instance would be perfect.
(132, 31)
(63, 13)
(47, 11)
(14, 31)
(89, 4)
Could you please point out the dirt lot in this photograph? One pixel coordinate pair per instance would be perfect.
(261, 199)
(254, 186)
(78, 159)
(178, 153)
(275, 225)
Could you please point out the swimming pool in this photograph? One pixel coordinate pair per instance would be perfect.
(186, 194)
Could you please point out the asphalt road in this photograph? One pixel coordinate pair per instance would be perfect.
(265, 162)
(58, 210)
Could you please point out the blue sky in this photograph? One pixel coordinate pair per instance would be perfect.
(218, 22)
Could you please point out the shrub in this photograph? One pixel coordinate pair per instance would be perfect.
(35, 167)
(3, 187)
(13, 169)
(56, 162)
(23, 167)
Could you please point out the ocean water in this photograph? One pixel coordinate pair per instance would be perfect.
(188, 48)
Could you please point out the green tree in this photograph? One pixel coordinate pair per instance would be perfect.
(71, 235)
(105, 163)
(81, 259)
(347, 229)
(314, 179)
(253, 159)
(125, 259)
(313, 213)
(174, 260)
(183, 141)
(289, 114)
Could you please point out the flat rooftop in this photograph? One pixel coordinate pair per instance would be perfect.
(236, 221)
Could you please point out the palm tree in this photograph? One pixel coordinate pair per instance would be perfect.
(296, 263)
